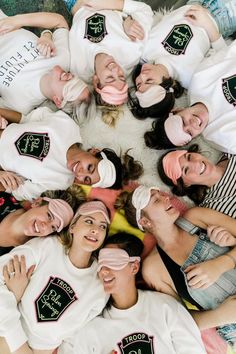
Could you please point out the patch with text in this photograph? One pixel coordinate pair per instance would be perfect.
(34, 145)
(56, 297)
(229, 89)
(95, 29)
(137, 343)
(178, 39)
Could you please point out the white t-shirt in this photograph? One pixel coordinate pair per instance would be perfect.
(177, 44)
(22, 66)
(214, 84)
(102, 31)
(58, 300)
(157, 323)
(36, 149)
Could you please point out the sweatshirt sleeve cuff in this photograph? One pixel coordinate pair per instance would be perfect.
(15, 337)
(219, 44)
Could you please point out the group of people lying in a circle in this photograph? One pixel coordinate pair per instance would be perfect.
(75, 290)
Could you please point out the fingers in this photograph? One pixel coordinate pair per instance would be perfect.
(46, 49)
(30, 271)
(195, 279)
(220, 236)
(10, 180)
(136, 30)
(6, 274)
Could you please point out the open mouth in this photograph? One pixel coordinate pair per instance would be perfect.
(91, 239)
(108, 280)
(203, 168)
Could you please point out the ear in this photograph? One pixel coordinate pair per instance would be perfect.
(177, 110)
(94, 151)
(145, 223)
(135, 267)
(95, 82)
(57, 100)
(37, 202)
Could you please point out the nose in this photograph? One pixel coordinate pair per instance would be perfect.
(94, 229)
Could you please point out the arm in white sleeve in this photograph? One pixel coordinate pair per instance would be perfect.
(186, 337)
(10, 324)
(29, 190)
(140, 12)
(61, 41)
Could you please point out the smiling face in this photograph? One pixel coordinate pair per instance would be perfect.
(89, 231)
(108, 72)
(84, 165)
(194, 118)
(196, 169)
(158, 211)
(39, 221)
(116, 282)
(150, 75)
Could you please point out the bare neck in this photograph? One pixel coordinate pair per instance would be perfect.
(126, 298)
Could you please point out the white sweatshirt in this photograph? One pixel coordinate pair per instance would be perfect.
(179, 45)
(58, 300)
(214, 84)
(102, 31)
(36, 149)
(22, 66)
(157, 323)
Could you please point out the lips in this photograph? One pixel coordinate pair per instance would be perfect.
(91, 239)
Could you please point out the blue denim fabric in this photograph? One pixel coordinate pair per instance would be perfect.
(69, 4)
(224, 13)
(215, 294)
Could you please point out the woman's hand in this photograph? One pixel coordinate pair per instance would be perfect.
(10, 180)
(104, 4)
(9, 24)
(203, 275)
(199, 16)
(133, 29)
(46, 46)
(16, 277)
(220, 236)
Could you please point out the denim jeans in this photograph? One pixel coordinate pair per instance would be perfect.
(224, 13)
(69, 4)
(215, 294)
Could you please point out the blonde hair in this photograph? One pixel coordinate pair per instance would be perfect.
(110, 113)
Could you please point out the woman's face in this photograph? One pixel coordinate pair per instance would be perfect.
(108, 72)
(196, 169)
(150, 75)
(39, 221)
(89, 231)
(115, 281)
(160, 209)
(194, 118)
(84, 165)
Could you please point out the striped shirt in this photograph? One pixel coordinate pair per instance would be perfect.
(222, 196)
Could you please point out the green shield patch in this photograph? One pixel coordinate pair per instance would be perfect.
(137, 343)
(95, 28)
(55, 298)
(229, 89)
(34, 145)
(177, 41)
